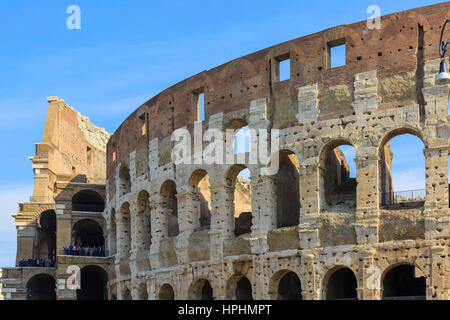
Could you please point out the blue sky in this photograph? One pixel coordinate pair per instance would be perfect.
(125, 53)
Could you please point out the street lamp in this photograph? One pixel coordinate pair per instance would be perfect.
(443, 76)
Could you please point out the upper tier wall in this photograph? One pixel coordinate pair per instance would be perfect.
(397, 51)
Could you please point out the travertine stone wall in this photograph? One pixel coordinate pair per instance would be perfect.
(70, 159)
(385, 89)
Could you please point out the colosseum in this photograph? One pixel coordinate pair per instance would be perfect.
(200, 231)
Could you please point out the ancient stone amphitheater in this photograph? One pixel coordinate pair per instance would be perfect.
(202, 231)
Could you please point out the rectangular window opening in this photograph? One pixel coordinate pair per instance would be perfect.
(200, 101)
(282, 68)
(285, 70)
(143, 119)
(337, 53)
(88, 153)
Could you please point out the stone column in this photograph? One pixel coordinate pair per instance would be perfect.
(111, 240)
(439, 288)
(152, 290)
(370, 286)
(25, 241)
(367, 198)
(436, 134)
(63, 231)
(133, 226)
(160, 229)
(367, 202)
(308, 281)
(436, 212)
(134, 237)
(222, 219)
(123, 249)
(264, 211)
(188, 220)
(311, 192)
(310, 205)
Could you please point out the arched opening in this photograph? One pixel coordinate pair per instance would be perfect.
(288, 190)
(201, 290)
(88, 201)
(93, 284)
(144, 228)
(125, 231)
(166, 292)
(46, 247)
(240, 198)
(87, 233)
(402, 283)
(242, 139)
(125, 181)
(170, 206)
(239, 287)
(112, 233)
(207, 291)
(199, 186)
(127, 294)
(41, 287)
(289, 287)
(143, 294)
(244, 289)
(338, 177)
(402, 171)
(341, 285)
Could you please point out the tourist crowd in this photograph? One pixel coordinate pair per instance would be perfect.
(84, 251)
(37, 263)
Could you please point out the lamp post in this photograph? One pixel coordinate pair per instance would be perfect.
(443, 76)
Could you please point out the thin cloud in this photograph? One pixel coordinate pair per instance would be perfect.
(409, 179)
(10, 196)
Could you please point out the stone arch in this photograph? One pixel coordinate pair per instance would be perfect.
(201, 289)
(387, 196)
(87, 233)
(112, 234)
(88, 201)
(337, 190)
(124, 181)
(403, 281)
(239, 287)
(199, 184)
(340, 283)
(93, 283)
(169, 204)
(166, 292)
(288, 190)
(41, 286)
(143, 223)
(46, 239)
(239, 200)
(124, 234)
(285, 285)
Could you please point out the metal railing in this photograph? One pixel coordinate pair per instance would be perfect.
(399, 197)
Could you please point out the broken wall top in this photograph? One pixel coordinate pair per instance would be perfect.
(71, 145)
(397, 52)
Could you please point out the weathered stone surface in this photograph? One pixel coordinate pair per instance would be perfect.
(385, 89)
